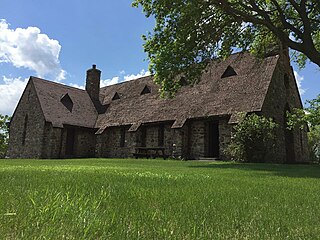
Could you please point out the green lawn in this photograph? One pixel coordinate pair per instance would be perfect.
(157, 199)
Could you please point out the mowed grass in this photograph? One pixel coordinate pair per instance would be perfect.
(157, 199)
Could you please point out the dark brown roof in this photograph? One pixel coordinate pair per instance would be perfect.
(83, 113)
(212, 96)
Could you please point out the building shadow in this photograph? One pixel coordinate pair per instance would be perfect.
(283, 170)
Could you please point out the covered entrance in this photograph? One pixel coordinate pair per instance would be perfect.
(213, 139)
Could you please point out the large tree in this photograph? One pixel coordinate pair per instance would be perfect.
(189, 32)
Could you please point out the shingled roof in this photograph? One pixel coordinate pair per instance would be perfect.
(50, 94)
(212, 96)
(243, 89)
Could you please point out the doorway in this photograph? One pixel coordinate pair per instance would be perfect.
(70, 142)
(289, 138)
(213, 139)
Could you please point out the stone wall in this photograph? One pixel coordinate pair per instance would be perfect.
(283, 92)
(108, 143)
(26, 136)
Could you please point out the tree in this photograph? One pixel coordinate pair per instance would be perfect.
(253, 138)
(189, 32)
(310, 116)
(4, 134)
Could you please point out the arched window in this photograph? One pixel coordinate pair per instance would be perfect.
(24, 133)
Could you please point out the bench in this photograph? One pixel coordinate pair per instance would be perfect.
(150, 152)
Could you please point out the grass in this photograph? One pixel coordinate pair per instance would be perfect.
(157, 199)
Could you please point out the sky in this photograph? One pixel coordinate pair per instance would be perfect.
(59, 40)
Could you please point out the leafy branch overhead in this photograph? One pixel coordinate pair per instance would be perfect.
(188, 33)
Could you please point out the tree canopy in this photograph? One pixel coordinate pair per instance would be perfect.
(189, 32)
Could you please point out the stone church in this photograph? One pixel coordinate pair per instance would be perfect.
(53, 120)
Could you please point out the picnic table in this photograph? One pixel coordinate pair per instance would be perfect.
(149, 152)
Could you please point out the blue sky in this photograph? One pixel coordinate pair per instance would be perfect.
(59, 40)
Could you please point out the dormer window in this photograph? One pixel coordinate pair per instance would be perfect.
(229, 72)
(116, 96)
(67, 102)
(183, 81)
(146, 90)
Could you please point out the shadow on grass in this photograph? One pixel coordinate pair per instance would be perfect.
(284, 170)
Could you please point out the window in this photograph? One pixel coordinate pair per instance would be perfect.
(286, 81)
(24, 133)
(183, 81)
(122, 136)
(229, 72)
(143, 136)
(146, 90)
(116, 96)
(161, 136)
(67, 102)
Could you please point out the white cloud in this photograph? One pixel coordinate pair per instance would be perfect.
(125, 78)
(76, 85)
(109, 82)
(31, 49)
(143, 73)
(10, 93)
(299, 80)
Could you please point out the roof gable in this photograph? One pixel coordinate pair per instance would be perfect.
(55, 100)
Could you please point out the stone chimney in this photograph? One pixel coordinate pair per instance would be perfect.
(93, 83)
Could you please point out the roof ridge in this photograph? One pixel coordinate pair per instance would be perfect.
(55, 83)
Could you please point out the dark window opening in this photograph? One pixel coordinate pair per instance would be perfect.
(70, 141)
(122, 136)
(67, 102)
(183, 81)
(29, 93)
(146, 90)
(143, 136)
(116, 96)
(213, 141)
(24, 133)
(289, 137)
(286, 81)
(229, 72)
(161, 136)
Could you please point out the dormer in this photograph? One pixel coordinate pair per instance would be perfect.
(146, 90)
(229, 72)
(67, 102)
(116, 96)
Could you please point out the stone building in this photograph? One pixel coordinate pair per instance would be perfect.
(57, 121)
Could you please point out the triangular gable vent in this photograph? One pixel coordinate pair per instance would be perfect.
(183, 81)
(229, 72)
(116, 96)
(67, 102)
(146, 90)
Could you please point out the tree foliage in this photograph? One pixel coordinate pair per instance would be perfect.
(253, 138)
(189, 32)
(4, 134)
(310, 116)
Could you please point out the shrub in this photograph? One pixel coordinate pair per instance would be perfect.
(253, 138)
